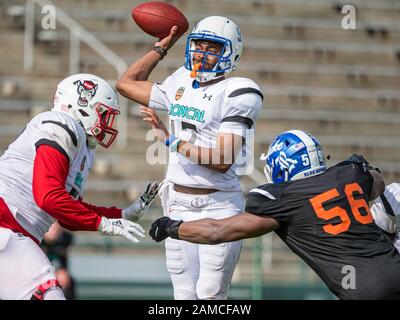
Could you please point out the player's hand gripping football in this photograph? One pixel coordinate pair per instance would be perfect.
(151, 116)
(121, 227)
(137, 209)
(169, 40)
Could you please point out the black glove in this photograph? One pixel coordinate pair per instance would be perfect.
(163, 228)
(357, 158)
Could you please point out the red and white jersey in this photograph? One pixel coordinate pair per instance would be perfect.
(198, 114)
(63, 133)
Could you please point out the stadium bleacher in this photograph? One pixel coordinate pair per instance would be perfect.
(340, 85)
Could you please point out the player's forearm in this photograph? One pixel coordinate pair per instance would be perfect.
(211, 158)
(108, 212)
(211, 231)
(50, 171)
(134, 84)
(57, 203)
(204, 231)
(141, 69)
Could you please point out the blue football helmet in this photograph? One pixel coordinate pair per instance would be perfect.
(293, 155)
(223, 31)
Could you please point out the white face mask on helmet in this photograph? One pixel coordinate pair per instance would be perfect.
(91, 101)
(223, 31)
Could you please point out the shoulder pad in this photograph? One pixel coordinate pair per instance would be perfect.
(239, 86)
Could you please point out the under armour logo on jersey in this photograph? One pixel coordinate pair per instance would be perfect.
(207, 97)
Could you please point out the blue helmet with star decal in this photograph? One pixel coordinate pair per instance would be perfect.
(293, 155)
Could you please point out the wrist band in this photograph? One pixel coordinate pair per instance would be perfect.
(172, 142)
(174, 145)
(171, 139)
(172, 229)
(161, 51)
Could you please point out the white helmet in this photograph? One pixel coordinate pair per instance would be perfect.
(217, 29)
(93, 103)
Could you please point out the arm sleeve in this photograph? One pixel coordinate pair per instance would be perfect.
(108, 212)
(159, 96)
(242, 105)
(159, 99)
(50, 171)
(261, 202)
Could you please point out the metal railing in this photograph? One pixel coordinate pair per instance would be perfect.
(78, 34)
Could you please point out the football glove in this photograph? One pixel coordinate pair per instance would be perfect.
(163, 228)
(121, 227)
(137, 209)
(357, 158)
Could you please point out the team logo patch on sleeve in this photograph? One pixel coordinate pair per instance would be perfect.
(87, 90)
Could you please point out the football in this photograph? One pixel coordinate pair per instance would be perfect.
(157, 18)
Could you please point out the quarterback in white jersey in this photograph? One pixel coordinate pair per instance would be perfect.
(197, 115)
(386, 212)
(42, 179)
(210, 117)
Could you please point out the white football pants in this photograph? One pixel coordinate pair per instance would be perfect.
(23, 267)
(200, 271)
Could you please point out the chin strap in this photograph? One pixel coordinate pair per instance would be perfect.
(92, 142)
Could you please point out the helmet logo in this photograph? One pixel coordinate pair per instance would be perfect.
(87, 90)
(179, 93)
(275, 147)
(286, 164)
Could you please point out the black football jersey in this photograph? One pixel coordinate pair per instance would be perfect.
(326, 220)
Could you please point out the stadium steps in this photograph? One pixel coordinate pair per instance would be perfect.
(313, 8)
(314, 78)
(323, 75)
(267, 48)
(273, 27)
(270, 74)
(296, 96)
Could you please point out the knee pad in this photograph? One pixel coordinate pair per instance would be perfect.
(174, 256)
(212, 290)
(217, 264)
(49, 290)
(185, 294)
(183, 268)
